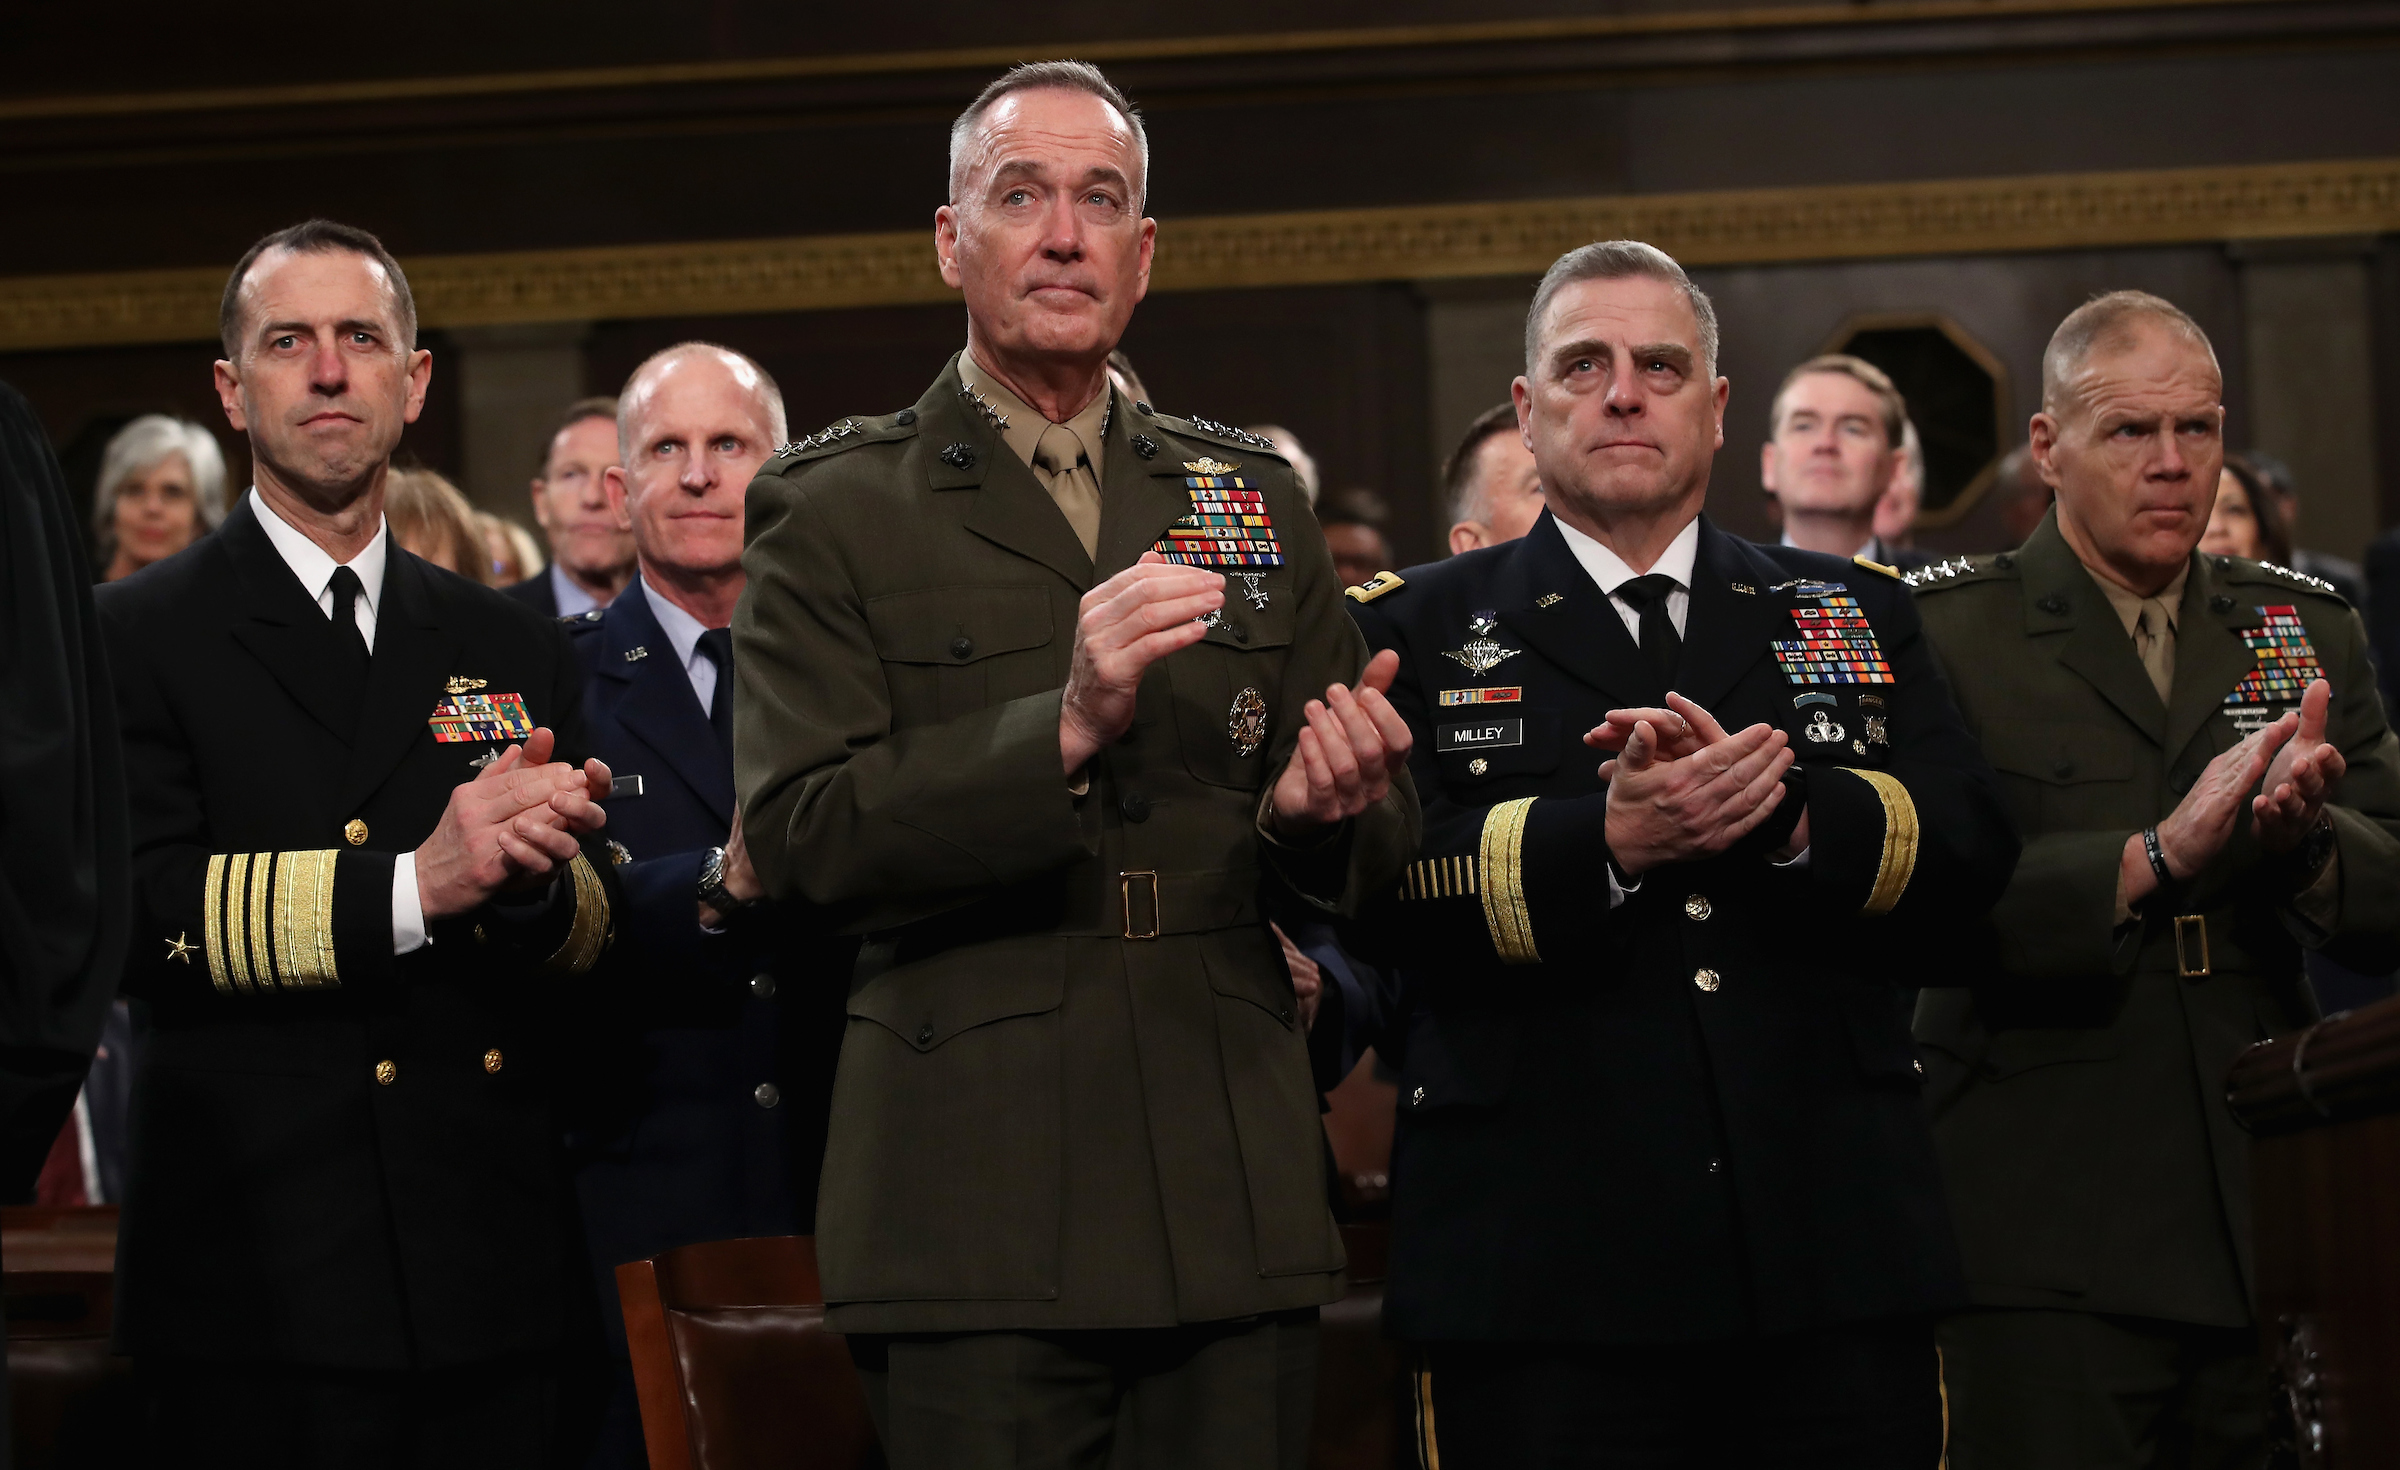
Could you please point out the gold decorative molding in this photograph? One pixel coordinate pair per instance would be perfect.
(1748, 227)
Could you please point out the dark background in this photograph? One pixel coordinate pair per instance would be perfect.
(113, 163)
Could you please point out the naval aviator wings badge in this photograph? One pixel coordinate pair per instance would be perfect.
(471, 717)
(2287, 665)
(1481, 654)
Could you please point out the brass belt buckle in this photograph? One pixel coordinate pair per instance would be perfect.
(1125, 890)
(2191, 924)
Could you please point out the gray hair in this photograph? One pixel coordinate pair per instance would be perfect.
(1616, 260)
(749, 373)
(142, 446)
(2107, 322)
(1072, 76)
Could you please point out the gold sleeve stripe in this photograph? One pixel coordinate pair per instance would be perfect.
(1899, 840)
(1442, 877)
(591, 931)
(304, 920)
(267, 921)
(212, 922)
(1503, 867)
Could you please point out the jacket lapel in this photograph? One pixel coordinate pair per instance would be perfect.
(2061, 597)
(2210, 656)
(1011, 508)
(1725, 633)
(413, 656)
(1144, 498)
(287, 632)
(658, 706)
(1545, 597)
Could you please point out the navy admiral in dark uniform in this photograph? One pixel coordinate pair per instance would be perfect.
(361, 894)
(709, 1121)
(1663, 1191)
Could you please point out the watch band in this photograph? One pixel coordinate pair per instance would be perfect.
(2157, 856)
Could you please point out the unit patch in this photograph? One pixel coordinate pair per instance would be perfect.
(1836, 645)
(468, 717)
(1509, 694)
(1228, 526)
(2287, 665)
(1479, 734)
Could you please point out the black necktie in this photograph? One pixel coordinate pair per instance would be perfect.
(717, 645)
(346, 592)
(1662, 646)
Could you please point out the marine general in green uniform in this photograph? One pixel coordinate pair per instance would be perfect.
(1037, 688)
(2193, 749)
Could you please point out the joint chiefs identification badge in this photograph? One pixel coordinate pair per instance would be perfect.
(1246, 722)
(472, 717)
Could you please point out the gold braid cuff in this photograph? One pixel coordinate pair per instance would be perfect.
(591, 931)
(1899, 840)
(1503, 868)
(1442, 877)
(267, 921)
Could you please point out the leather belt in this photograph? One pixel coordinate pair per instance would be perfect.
(1143, 904)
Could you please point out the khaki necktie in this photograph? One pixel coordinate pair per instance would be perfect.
(1058, 459)
(2154, 641)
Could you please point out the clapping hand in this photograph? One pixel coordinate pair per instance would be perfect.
(508, 829)
(1665, 807)
(2301, 778)
(1125, 625)
(1348, 752)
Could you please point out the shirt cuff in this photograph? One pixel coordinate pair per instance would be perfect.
(1616, 890)
(1796, 860)
(408, 913)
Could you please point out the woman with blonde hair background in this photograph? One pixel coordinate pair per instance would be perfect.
(162, 487)
(431, 517)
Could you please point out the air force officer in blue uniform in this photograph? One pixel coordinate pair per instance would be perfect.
(711, 1122)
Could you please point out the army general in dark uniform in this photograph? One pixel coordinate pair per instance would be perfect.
(360, 898)
(2194, 749)
(1663, 1193)
(1037, 687)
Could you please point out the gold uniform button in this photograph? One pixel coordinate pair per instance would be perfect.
(1478, 766)
(1707, 980)
(1697, 906)
(387, 1072)
(491, 1060)
(356, 831)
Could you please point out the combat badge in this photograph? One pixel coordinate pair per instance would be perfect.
(2287, 665)
(1480, 654)
(473, 717)
(1878, 732)
(1246, 722)
(1228, 525)
(1836, 644)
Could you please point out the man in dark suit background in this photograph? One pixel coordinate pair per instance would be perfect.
(591, 554)
(1663, 1193)
(710, 1122)
(361, 900)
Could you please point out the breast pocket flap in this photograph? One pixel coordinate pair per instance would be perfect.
(958, 625)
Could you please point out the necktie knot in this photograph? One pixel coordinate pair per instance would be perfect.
(1662, 646)
(716, 644)
(1059, 450)
(1647, 592)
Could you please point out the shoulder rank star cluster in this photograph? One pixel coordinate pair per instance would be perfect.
(1228, 526)
(1836, 645)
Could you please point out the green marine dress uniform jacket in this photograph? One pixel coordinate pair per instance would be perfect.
(1074, 1090)
(2078, 1066)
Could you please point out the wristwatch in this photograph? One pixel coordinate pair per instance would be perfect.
(712, 884)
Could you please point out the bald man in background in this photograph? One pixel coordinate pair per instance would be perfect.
(2196, 815)
(713, 1052)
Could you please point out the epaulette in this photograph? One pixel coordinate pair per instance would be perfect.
(2238, 565)
(843, 434)
(1201, 428)
(582, 621)
(1959, 570)
(1374, 587)
(1876, 566)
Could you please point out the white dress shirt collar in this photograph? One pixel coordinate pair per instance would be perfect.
(314, 566)
(1609, 570)
(572, 600)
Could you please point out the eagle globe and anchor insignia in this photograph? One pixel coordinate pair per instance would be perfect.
(1246, 722)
